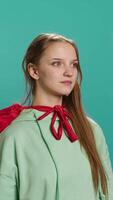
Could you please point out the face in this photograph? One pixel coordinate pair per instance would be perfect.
(58, 69)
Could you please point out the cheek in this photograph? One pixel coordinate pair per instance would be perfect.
(49, 77)
(53, 75)
(76, 73)
(44, 74)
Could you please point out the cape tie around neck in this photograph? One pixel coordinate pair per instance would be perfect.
(7, 115)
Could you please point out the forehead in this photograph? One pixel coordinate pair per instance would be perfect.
(60, 49)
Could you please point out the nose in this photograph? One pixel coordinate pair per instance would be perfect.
(68, 70)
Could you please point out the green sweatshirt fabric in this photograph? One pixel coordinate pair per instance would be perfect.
(36, 166)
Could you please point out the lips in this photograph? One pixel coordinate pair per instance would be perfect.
(68, 82)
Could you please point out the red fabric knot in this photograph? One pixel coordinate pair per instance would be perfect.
(63, 115)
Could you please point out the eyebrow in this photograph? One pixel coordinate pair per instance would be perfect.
(63, 59)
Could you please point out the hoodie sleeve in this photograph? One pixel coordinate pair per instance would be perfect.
(8, 169)
(103, 151)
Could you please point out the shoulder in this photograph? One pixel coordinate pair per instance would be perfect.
(98, 133)
(19, 126)
(19, 134)
(96, 127)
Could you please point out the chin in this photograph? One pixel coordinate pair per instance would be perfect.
(62, 92)
(66, 93)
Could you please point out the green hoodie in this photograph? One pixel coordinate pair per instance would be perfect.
(36, 166)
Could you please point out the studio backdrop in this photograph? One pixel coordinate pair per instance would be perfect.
(88, 22)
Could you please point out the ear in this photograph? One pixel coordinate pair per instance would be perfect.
(33, 71)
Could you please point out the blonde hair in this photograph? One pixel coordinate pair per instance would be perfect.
(72, 102)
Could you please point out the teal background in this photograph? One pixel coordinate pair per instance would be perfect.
(88, 22)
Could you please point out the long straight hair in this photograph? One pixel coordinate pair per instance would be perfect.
(72, 102)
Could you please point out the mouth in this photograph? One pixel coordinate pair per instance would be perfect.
(67, 82)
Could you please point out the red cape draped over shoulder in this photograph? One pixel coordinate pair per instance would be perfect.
(7, 115)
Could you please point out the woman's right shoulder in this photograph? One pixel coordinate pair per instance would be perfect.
(19, 126)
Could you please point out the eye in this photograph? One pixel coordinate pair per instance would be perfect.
(56, 63)
(75, 64)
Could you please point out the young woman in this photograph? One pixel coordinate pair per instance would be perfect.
(50, 149)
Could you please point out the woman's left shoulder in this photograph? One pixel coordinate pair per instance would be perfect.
(97, 131)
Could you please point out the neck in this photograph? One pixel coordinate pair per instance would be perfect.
(46, 100)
